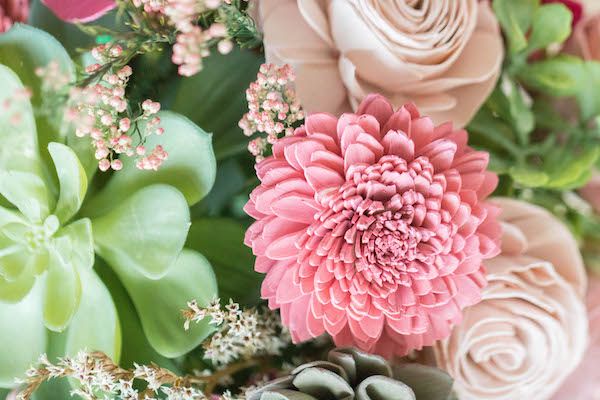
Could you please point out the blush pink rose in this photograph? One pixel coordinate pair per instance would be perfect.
(12, 11)
(372, 227)
(530, 330)
(79, 10)
(443, 55)
(584, 382)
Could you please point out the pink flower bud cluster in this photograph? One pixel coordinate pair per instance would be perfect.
(192, 42)
(52, 77)
(273, 107)
(12, 106)
(193, 45)
(151, 6)
(101, 111)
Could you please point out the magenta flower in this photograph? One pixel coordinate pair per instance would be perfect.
(79, 10)
(372, 228)
(12, 11)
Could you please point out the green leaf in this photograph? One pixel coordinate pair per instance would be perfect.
(27, 192)
(145, 232)
(18, 141)
(551, 24)
(191, 166)
(221, 240)
(135, 347)
(515, 17)
(231, 179)
(84, 149)
(22, 335)
(427, 382)
(95, 325)
(571, 173)
(588, 96)
(81, 243)
(558, 76)
(14, 291)
(63, 290)
(510, 101)
(159, 302)
(72, 181)
(224, 80)
(23, 49)
(528, 177)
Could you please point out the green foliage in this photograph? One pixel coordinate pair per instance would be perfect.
(50, 293)
(215, 98)
(240, 26)
(515, 17)
(536, 140)
(221, 241)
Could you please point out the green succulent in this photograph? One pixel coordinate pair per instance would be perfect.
(349, 373)
(76, 254)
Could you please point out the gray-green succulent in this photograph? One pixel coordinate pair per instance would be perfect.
(352, 374)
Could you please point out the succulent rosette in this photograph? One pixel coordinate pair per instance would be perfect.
(70, 246)
(372, 227)
(349, 373)
(530, 331)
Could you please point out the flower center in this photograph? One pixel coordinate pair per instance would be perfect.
(39, 235)
(387, 221)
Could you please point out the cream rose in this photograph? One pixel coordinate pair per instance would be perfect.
(530, 330)
(443, 55)
(584, 383)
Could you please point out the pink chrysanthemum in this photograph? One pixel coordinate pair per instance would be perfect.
(371, 227)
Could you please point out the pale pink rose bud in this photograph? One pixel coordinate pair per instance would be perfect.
(124, 124)
(225, 46)
(212, 4)
(106, 119)
(104, 165)
(116, 51)
(140, 150)
(96, 133)
(101, 153)
(92, 68)
(217, 30)
(125, 72)
(116, 165)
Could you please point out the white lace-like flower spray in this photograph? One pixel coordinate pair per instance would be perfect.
(241, 334)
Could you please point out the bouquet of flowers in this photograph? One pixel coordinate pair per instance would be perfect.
(300, 199)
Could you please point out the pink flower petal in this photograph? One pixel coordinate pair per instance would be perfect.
(79, 10)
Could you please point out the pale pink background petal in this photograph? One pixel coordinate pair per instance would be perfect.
(584, 383)
(80, 10)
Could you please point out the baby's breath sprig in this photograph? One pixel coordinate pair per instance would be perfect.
(101, 111)
(273, 108)
(241, 334)
(100, 378)
(191, 27)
